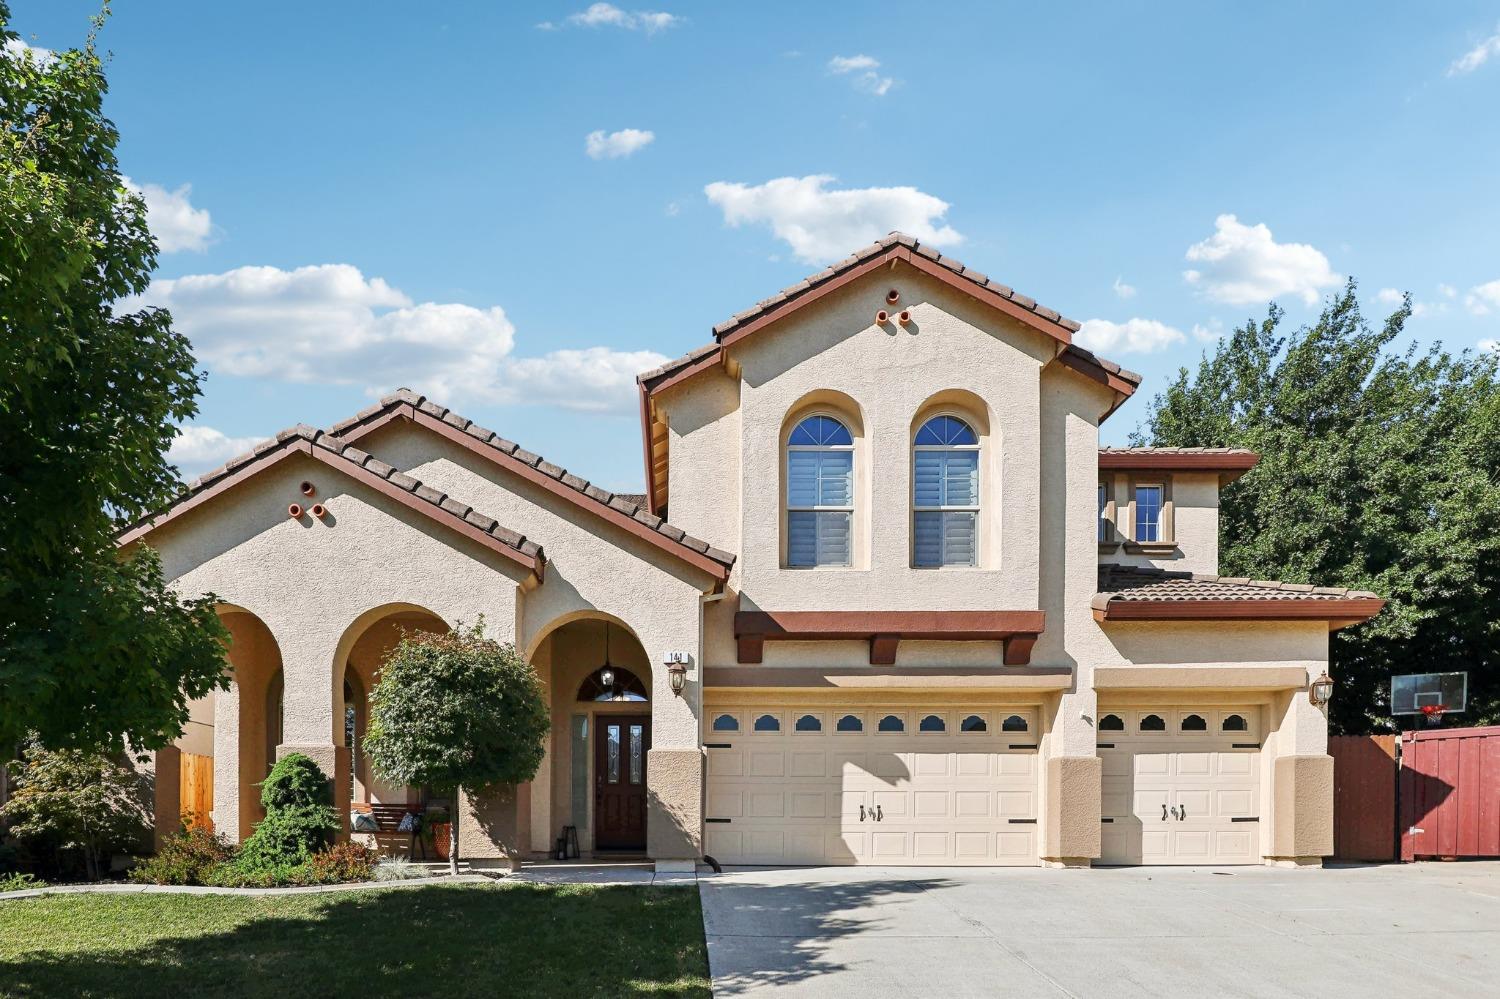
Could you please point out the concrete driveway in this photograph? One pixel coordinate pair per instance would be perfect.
(1429, 929)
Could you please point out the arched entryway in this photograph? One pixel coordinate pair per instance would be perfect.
(599, 682)
(247, 722)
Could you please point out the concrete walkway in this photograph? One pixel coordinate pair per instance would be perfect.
(1425, 929)
(599, 873)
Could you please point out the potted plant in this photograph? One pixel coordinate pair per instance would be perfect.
(435, 830)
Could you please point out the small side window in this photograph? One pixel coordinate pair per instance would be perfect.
(850, 723)
(1111, 723)
(1194, 723)
(1015, 723)
(726, 723)
(768, 723)
(891, 723)
(932, 723)
(973, 723)
(1235, 723)
(1153, 723)
(809, 723)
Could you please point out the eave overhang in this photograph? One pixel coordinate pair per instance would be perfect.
(885, 630)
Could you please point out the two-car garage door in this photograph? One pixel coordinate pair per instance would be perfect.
(867, 784)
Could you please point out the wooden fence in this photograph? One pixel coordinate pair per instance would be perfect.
(196, 788)
(1450, 793)
(1364, 797)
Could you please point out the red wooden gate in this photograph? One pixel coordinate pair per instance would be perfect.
(1450, 793)
(1364, 797)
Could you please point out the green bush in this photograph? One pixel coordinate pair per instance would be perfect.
(20, 882)
(300, 819)
(235, 875)
(189, 858)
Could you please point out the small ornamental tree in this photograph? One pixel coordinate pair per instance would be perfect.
(300, 818)
(456, 711)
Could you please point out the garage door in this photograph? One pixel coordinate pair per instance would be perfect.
(871, 785)
(1181, 785)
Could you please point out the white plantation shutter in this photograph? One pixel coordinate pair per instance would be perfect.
(820, 500)
(945, 477)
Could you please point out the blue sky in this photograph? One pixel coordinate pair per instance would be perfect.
(382, 194)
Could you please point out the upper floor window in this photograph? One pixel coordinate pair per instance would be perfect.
(1103, 505)
(1148, 507)
(945, 493)
(819, 493)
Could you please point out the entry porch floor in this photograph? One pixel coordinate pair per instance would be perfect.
(1424, 929)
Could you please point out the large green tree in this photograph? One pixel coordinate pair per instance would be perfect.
(456, 711)
(95, 650)
(1380, 470)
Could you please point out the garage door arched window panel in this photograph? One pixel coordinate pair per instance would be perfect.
(1234, 723)
(1111, 723)
(726, 723)
(974, 724)
(1013, 723)
(819, 494)
(1153, 723)
(809, 723)
(945, 494)
(849, 723)
(932, 723)
(1194, 723)
(891, 723)
(767, 723)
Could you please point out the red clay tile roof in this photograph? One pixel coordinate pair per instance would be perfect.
(1141, 593)
(630, 506)
(1229, 462)
(338, 454)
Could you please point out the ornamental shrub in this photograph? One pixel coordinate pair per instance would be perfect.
(300, 819)
(20, 882)
(188, 858)
(341, 864)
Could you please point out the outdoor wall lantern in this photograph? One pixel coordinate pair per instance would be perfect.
(1320, 691)
(677, 677)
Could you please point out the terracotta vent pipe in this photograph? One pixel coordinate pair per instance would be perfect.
(318, 510)
(882, 317)
(308, 489)
(294, 511)
(904, 317)
(892, 297)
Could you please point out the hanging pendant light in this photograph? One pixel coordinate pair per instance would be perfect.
(607, 671)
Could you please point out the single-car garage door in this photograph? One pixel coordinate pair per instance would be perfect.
(1181, 785)
(855, 784)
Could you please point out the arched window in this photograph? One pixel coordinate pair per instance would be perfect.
(1153, 723)
(1234, 723)
(1111, 723)
(767, 723)
(809, 723)
(1194, 723)
(726, 723)
(891, 723)
(820, 493)
(945, 493)
(932, 723)
(622, 685)
(1015, 723)
(850, 723)
(974, 723)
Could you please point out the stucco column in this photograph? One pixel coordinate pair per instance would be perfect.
(675, 762)
(1301, 783)
(226, 813)
(333, 761)
(1072, 783)
(494, 828)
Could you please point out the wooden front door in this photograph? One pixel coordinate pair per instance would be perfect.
(620, 781)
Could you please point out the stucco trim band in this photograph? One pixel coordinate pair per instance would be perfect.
(861, 678)
(1199, 677)
(884, 630)
(364, 469)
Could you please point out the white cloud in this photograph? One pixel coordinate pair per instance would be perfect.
(1123, 290)
(1490, 346)
(822, 225)
(602, 146)
(1447, 290)
(1243, 265)
(861, 71)
(329, 324)
(1389, 296)
(175, 223)
(607, 15)
(1477, 56)
(1134, 336)
(16, 49)
(1482, 298)
(196, 448)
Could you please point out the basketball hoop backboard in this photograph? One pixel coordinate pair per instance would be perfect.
(1429, 693)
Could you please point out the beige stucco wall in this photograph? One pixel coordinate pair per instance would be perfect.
(1194, 518)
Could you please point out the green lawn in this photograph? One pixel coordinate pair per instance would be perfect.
(451, 940)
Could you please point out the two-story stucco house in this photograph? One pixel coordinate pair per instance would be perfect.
(885, 601)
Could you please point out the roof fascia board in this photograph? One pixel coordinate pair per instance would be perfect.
(1339, 613)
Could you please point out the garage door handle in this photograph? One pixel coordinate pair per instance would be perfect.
(1164, 811)
(879, 814)
(861, 813)
(1181, 812)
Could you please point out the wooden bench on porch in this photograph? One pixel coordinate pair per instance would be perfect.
(388, 818)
